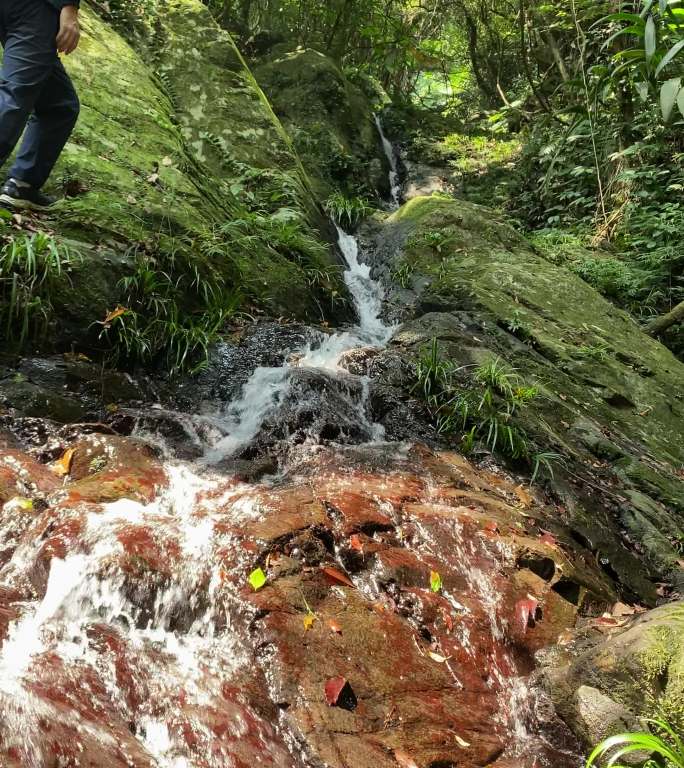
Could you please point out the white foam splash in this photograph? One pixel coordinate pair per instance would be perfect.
(390, 152)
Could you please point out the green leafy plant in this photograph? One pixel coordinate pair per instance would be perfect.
(403, 274)
(483, 405)
(30, 267)
(346, 211)
(665, 748)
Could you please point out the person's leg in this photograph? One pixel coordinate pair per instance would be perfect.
(30, 56)
(48, 130)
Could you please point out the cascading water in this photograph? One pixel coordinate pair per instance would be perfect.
(391, 154)
(131, 639)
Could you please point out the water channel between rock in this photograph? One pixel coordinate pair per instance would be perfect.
(134, 638)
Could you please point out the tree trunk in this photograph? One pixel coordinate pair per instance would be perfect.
(662, 323)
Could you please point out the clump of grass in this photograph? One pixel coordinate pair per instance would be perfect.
(481, 405)
(346, 211)
(30, 267)
(173, 312)
(664, 748)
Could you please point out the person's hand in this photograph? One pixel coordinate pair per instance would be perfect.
(69, 30)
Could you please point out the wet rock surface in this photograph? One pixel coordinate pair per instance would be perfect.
(128, 581)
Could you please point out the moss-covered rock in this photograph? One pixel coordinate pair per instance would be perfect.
(175, 140)
(610, 403)
(636, 671)
(329, 119)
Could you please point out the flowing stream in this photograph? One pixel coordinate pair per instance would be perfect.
(148, 663)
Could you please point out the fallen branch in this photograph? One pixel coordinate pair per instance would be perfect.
(662, 323)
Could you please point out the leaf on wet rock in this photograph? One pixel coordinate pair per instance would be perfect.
(548, 538)
(335, 626)
(257, 578)
(339, 693)
(524, 496)
(438, 658)
(404, 759)
(621, 609)
(337, 577)
(461, 742)
(309, 620)
(435, 581)
(525, 610)
(62, 467)
(355, 543)
(491, 526)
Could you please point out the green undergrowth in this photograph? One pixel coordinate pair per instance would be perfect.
(480, 406)
(30, 266)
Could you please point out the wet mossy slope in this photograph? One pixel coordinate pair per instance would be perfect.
(611, 399)
(176, 138)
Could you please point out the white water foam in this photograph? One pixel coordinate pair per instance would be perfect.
(267, 388)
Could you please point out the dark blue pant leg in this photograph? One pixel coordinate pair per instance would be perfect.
(34, 89)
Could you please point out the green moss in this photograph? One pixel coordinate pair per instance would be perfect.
(626, 399)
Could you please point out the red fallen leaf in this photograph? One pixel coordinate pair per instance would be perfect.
(335, 626)
(525, 610)
(333, 689)
(490, 525)
(548, 538)
(338, 577)
(355, 543)
(404, 759)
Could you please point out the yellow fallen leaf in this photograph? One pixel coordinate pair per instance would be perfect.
(62, 466)
(309, 620)
(524, 496)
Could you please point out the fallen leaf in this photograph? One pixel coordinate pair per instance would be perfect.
(153, 178)
(339, 693)
(355, 543)
(491, 526)
(404, 759)
(621, 609)
(436, 657)
(524, 496)
(525, 610)
(548, 538)
(565, 424)
(335, 626)
(257, 578)
(62, 466)
(309, 620)
(114, 314)
(447, 619)
(435, 581)
(461, 742)
(338, 577)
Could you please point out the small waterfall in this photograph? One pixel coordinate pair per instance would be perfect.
(267, 387)
(391, 154)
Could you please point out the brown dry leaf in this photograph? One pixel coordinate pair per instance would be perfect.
(524, 496)
(404, 759)
(621, 609)
(335, 626)
(114, 314)
(338, 577)
(62, 466)
(355, 543)
(461, 742)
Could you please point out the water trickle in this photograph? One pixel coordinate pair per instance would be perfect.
(391, 154)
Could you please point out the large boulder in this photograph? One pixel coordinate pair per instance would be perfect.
(610, 400)
(329, 120)
(176, 139)
(603, 682)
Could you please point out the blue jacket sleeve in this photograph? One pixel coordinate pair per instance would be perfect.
(59, 4)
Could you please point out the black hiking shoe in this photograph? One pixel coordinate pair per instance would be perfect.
(24, 198)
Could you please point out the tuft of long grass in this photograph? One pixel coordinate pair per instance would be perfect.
(664, 748)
